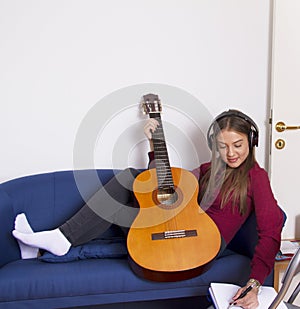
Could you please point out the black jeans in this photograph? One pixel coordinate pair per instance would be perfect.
(114, 203)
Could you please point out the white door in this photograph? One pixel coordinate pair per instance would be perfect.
(285, 101)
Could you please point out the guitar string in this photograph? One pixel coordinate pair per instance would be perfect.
(164, 173)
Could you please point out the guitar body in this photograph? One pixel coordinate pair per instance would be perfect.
(174, 240)
(171, 238)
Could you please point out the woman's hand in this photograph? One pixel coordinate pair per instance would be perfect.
(250, 301)
(150, 127)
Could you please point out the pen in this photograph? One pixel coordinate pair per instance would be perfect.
(243, 294)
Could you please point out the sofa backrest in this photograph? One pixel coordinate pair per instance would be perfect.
(47, 199)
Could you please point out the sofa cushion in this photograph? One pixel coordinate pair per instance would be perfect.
(111, 244)
(111, 278)
(98, 248)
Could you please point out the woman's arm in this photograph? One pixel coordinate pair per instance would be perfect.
(269, 219)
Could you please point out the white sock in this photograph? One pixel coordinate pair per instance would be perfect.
(22, 225)
(53, 241)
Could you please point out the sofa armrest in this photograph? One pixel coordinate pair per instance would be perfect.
(8, 243)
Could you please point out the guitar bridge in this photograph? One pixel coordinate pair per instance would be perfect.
(174, 234)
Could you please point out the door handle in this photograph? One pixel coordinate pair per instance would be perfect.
(281, 126)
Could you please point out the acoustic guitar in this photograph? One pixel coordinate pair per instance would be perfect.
(171, 238)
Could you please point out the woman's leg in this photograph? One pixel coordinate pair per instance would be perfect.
(112, 204)
(109, 205)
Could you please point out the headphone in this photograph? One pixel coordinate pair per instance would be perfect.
(252, 135)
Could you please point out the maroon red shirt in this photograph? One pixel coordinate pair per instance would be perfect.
(269, 217)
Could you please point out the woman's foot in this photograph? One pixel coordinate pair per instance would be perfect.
(22, 225)
(53, 241)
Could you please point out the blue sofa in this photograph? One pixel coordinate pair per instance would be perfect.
(98, 273)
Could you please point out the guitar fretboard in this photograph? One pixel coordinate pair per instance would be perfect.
(163, 169)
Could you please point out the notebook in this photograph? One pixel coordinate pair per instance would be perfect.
(222, 293)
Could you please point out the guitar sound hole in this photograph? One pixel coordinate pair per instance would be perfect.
(167, 197)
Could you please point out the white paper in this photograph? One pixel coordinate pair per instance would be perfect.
(289, 247)
(222, 294)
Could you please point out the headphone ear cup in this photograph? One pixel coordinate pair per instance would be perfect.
(210, 141)
(209, 135)
(253, 139)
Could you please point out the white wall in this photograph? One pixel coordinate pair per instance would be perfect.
(63, 60)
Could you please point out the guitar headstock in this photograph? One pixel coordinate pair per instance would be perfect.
(151, 104)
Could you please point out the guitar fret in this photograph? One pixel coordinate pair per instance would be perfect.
(163, 169)
(164, 175)
(170, 180)
(165, 179)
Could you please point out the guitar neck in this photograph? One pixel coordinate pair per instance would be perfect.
(163, 169)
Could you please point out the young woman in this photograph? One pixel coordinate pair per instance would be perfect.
(232, 186)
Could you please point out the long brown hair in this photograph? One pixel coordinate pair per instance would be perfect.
(230, 183)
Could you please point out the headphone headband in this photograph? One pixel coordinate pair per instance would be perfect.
(252, 135)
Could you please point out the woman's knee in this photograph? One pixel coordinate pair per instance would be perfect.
(124, 179)
(131, 171)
